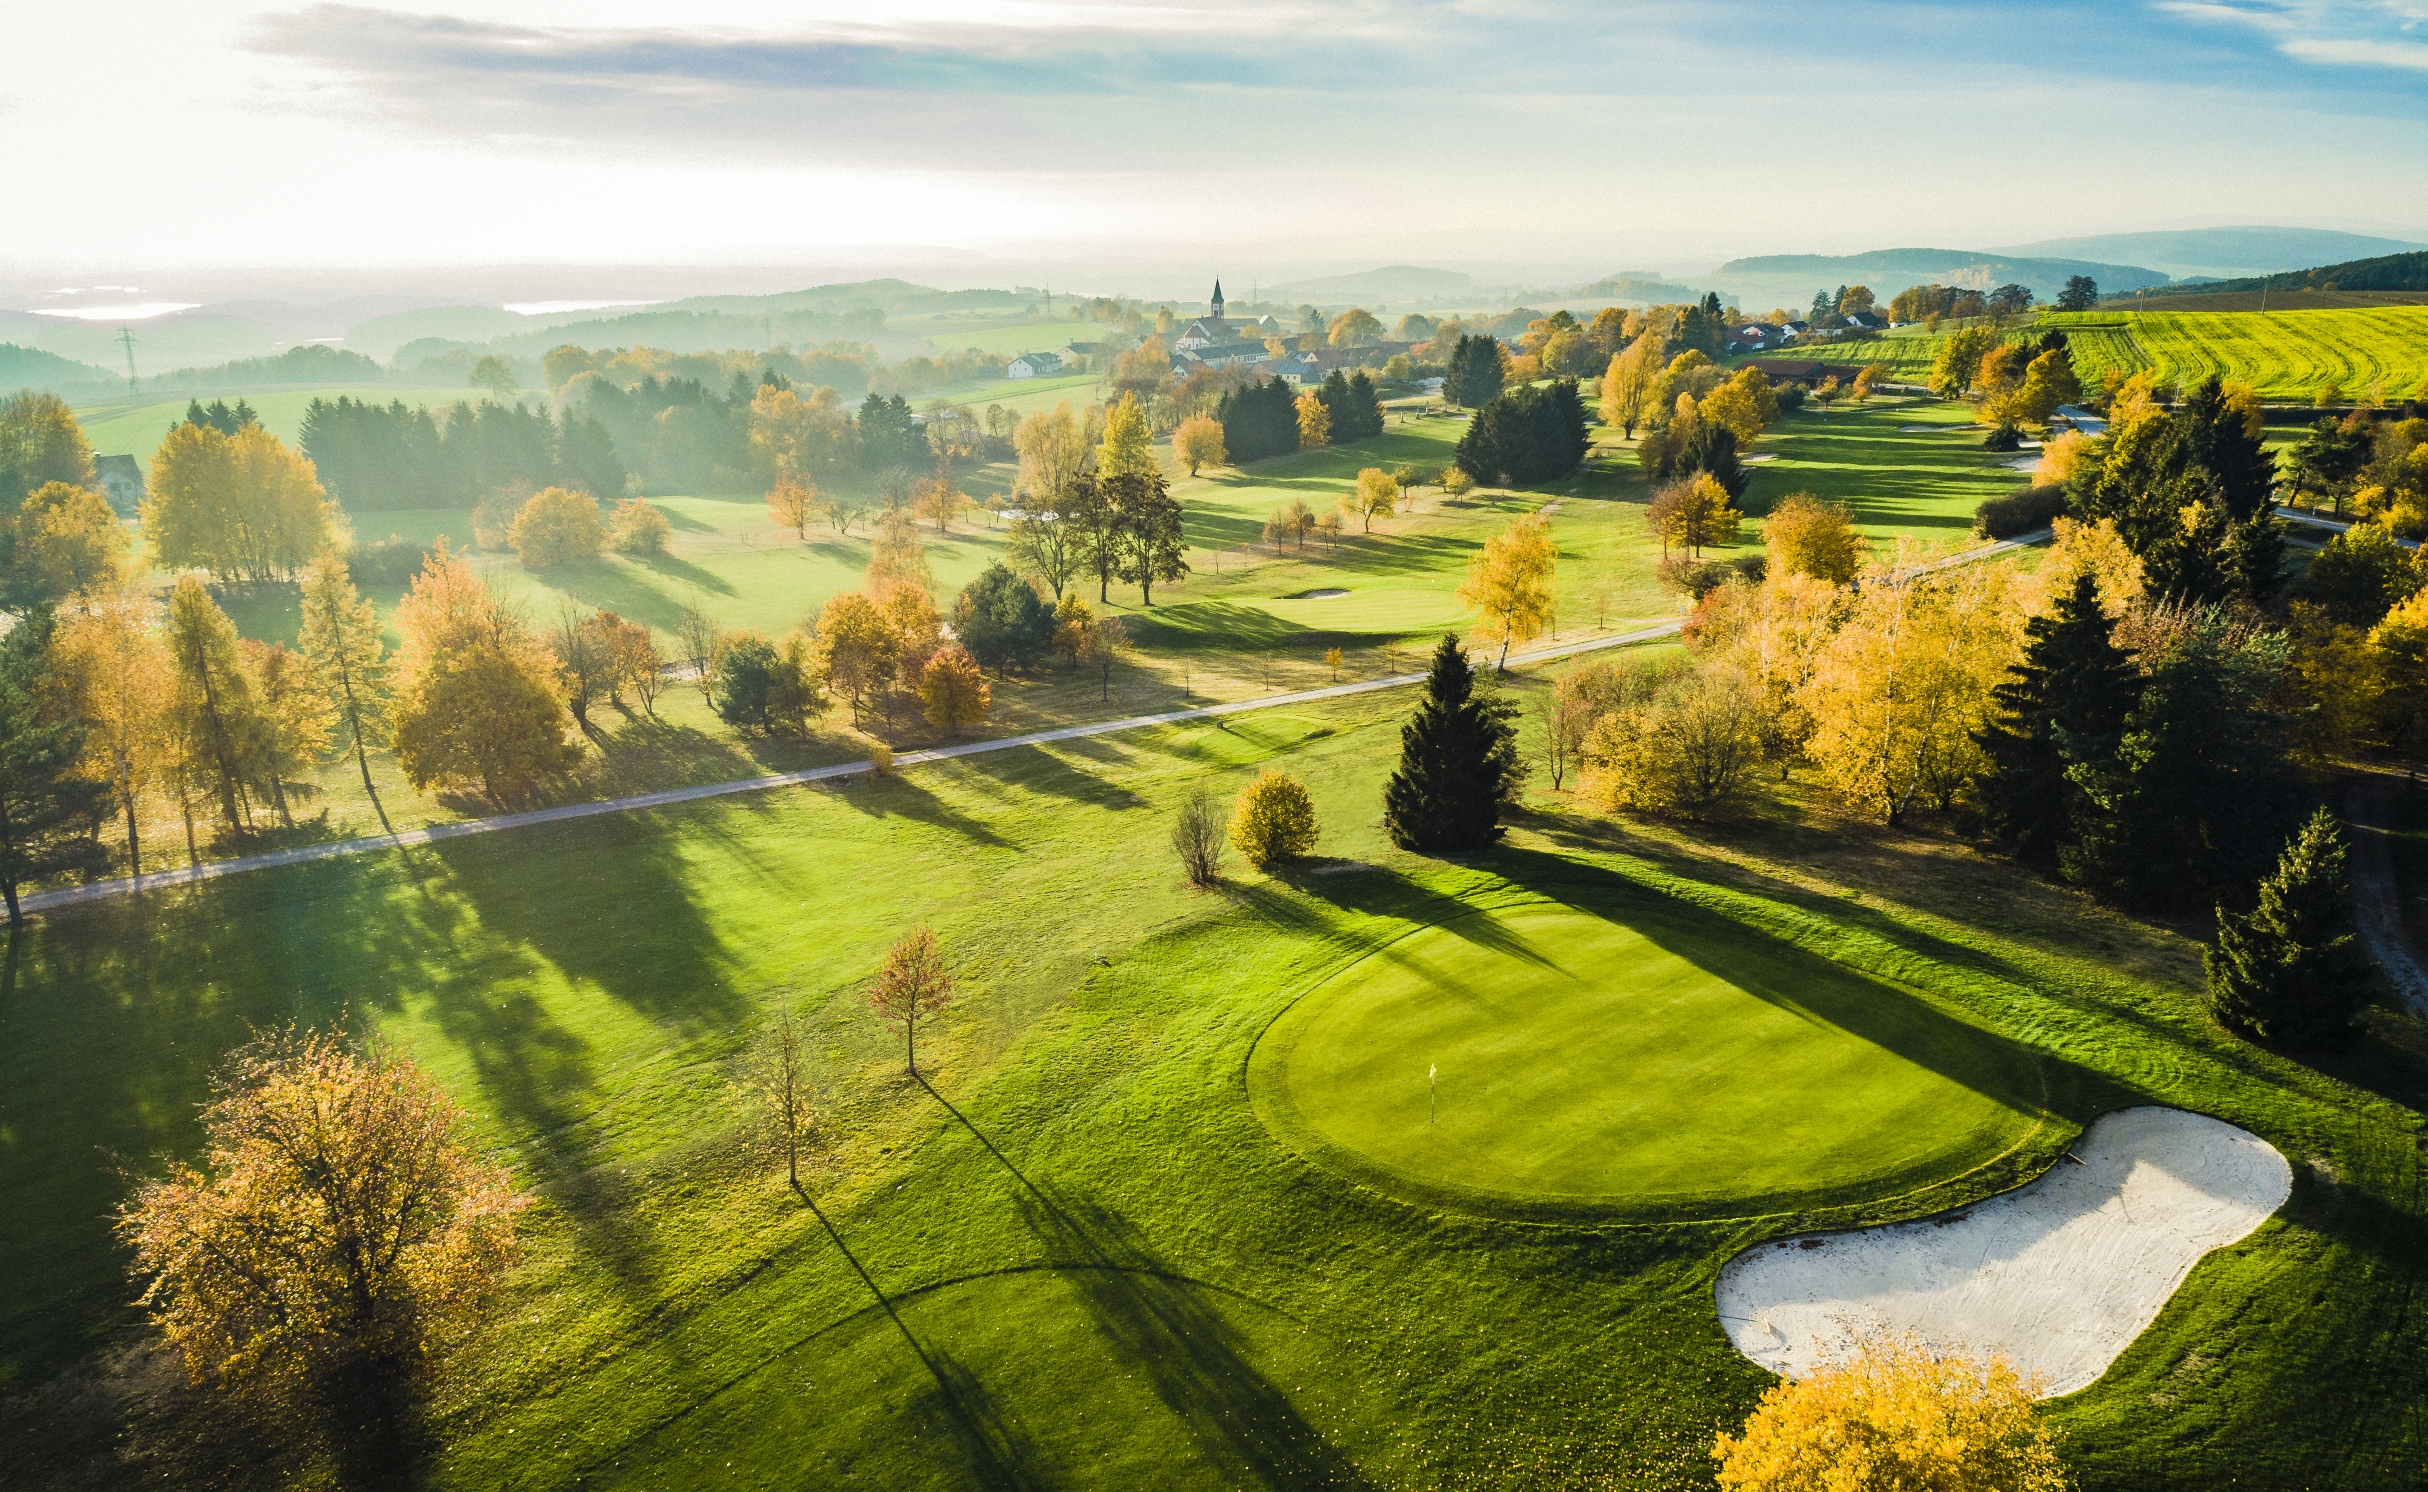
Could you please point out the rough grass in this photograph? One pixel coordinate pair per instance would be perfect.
(1097, 1267)
(2284, 354)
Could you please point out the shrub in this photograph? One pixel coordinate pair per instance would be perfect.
(1002, 620)
(1790, 397)
(1688, 749)
(1274, 819)
(556, 527)
(639, 528)
(2007, 437)
(746, 672)
(1681, 575)
(1197, 838)
(1810, 537)
(2024, 512)
(394, 560)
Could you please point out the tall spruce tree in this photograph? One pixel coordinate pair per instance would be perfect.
(2291, 970)
(48, 813)
(1458, 763)
(2064, 704)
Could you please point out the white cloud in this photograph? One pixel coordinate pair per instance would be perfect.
(2345, 33)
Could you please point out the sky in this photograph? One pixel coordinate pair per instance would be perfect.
(1631, 135)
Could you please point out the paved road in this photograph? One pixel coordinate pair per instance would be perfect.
(69, 896)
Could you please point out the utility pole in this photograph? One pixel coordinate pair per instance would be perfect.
(126, 340)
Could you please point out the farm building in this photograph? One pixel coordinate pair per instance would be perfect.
(1033, 365)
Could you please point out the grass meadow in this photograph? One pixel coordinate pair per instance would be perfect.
(2286, 355)
(1075, 1254)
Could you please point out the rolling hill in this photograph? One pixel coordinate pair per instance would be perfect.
(1888, 271)
(2221, 252)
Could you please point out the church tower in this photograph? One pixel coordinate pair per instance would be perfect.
(1218, 300)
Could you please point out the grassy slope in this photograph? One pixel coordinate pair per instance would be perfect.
(1921, 484)
(2285, 354)
(1106, 1271)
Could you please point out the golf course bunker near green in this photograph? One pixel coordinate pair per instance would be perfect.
(2057, 1276)
(1655, 1059)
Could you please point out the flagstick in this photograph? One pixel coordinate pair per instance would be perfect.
(1430, 1071)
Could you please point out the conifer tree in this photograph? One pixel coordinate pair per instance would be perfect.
(2291, 970)
(2064, 703)
(47, 809)
(1458, 763)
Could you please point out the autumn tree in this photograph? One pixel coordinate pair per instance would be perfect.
(1807, 536)
(108, 660)
(634, 661)
(1692, 513)
(795, 504)
(47, 805)
(241, 506)
(296, 719)
(799, 440)
(41, 442)
(1374, 496)
(342, 1218)
(1354, 328)
(1903, 689)
(1128, 448)
(940, 502)
(953, 691)
(215, 718)
(898, 560)
(1958, 362)
(1458, 768)
(639, 527)
(1146, 535)
(1895, 1414)
(856, 649)
(696, 634)
(1273, 820)
(1102, 644)
(63, 541)
(557, 526)
(1628, 384)
(911, 985)
(1314, 422)
(1198, 442)
(1198, 838)
(1054, 457)
(478, 703)
(1509, 584)
(1688, 746)
(777, 1072)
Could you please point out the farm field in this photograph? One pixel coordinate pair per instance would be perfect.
(1008, 341)
(1097, 1264)
(1904, 354)
(2286, 355)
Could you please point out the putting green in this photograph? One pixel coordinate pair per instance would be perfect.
(1655, 1060)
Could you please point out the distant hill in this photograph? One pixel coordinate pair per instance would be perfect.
(1888, 271)
(32, 368)
(1389, 283)
(1639, 284)
(2220, 252)
(2387, 272)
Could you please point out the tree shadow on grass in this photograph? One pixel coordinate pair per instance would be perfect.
(684, 572)
(1054, 773)
(1164, 1327)
(898, 796)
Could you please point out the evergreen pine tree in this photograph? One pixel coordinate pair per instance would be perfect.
(2291, 971)
(48, 812)
(2064, 703)
(1458, 765)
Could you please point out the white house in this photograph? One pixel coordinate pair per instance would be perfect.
(1033, 365)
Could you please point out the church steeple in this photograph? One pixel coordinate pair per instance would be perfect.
(1218, 300)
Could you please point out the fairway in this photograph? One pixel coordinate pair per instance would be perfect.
(1633, 1059)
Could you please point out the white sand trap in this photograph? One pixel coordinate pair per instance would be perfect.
(2058, 1275)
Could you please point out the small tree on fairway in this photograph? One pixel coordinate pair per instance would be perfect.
(2290, 971)
(779, 1075)
(911, 985)
(1458, 764)
(953, 693)
(1509, 583)
(1274, 819)
(341, 636)
(1197, 837)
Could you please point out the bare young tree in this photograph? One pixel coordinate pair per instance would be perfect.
(1198, 837)
(696, 632)
(778, 1074)
(911, 985)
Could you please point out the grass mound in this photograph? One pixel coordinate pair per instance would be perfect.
(1639, 1059)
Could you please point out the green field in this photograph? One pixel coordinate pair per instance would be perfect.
(2288, 355)
(1924, 484)
(1904, 354)
(1098, 1267)
(1544, 1059)
(1005, 341)
(134, 430)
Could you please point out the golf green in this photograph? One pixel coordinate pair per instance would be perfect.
(1547, 1059)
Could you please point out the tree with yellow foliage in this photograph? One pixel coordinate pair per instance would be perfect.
(1900, 694)
(1692, 514)
(1509, 584)
(1772, 635)
(341, 637)
(855, 649)
(65, 541)
(342, 1218)
(1895, 1414)
(557, 526)
(1274, 820)
(242, 506)
(1374, 496)
(1628, 384)
(1128, 448)
(1746, 404)
(215, 718)
(953, 690)
(1314, 423)
(2096, 549)
(898, 561)
(803, 439)
(479, 704)
(112, 667)
(795, 505)
(1807, 536)
(296, 720)
(1198, 442)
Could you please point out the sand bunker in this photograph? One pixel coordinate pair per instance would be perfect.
(1327, 594)
(2058, 1275)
